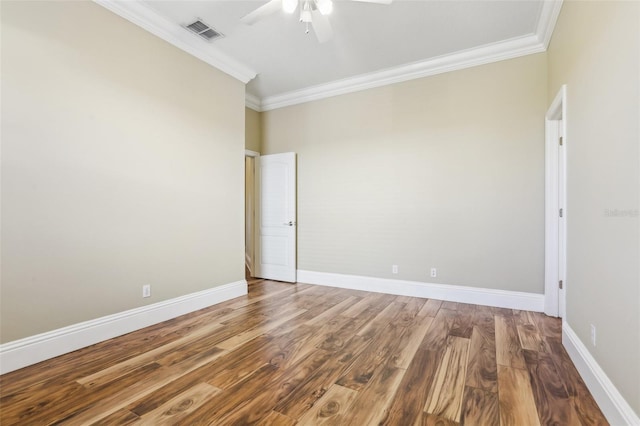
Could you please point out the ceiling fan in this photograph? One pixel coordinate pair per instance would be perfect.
(313, 13)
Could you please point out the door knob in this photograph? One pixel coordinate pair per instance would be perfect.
(290, 223)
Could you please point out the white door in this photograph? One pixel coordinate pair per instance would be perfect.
(556, 207)
(562, 233)
(277, 203)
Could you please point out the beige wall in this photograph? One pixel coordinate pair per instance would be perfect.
(445, 171)
(595, 51)
(253, 130)
(118, 169)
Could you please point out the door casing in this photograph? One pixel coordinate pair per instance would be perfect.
(555, 200)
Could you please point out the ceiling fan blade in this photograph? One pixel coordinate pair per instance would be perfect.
(265, 10)
(375, 1)
(321, 26)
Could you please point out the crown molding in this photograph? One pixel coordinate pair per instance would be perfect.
(547, 21)
(253, 102)
(144, 17)
(508, 49)
(486, 54)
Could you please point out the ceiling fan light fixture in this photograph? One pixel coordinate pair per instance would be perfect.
(305, 12)
(289, 6)
(305, 16)
(325, 6)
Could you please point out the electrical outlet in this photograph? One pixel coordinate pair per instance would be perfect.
(434, 272)
(394, 269)
(146, 290)
(593, 334)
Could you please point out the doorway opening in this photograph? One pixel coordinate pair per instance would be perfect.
(250, 191)
(555, 286)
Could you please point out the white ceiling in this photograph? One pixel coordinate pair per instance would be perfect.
(372, 44)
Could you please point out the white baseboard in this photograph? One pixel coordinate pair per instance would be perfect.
(33, 349)
(613, 405)
(452, 293)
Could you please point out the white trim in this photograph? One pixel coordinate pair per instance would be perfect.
(555, 259)
(249, 153)
(494, 52)
(145, 17)
(547, 21)
(613, 405)
(33, 349)
(452, 293)
(253, 102)
(499, 51)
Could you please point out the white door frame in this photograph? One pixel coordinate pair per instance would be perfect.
(255, 267)
(555, 262)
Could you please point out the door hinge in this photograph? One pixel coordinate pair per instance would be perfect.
(560, 139)
(560, 284)
(560, 212)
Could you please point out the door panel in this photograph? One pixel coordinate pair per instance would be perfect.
(278, 217)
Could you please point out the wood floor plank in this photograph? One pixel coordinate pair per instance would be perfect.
(438, 332)
(330, 313)
(530, 339)
(585, 406)
(335, 340)
(408, 403)
(381, 320)
(287, 354)
(38, 400)
(256, 353)
(517, 404)
(480, 408)
(281, 385)
(548, 326)
(430, 308)
(409, 312)
(361, 411)
(172, 411)
(308, 393)
(552, 401)
(410, 342)
(211, 411)
(60, 406)
(276, 419)
(280, 351)
(485, 321)
(249, 300)
(382, 349)
(452, 306)
(331, 407)
(324, 333)
(250, 334)
(503, 312)
(115, 400)
(482, 371)
(445, 396)
(121, 417)
(462, 325)
(508, 349)
(91, 359)
(369, 301)
(433, 420)
(122, 368)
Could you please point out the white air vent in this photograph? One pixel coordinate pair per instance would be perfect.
(203, 30)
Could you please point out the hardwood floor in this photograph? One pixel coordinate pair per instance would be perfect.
(308, 355)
